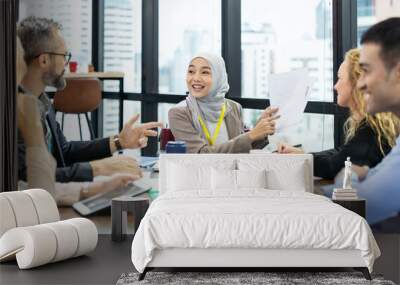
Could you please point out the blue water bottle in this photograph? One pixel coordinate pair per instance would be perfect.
(175, 147)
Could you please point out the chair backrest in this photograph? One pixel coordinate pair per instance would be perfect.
(26, 208)
(287, 172)
(81, 95)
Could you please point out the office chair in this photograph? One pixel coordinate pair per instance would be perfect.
(81, 95)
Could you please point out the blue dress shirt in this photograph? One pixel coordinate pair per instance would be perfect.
(381, 187)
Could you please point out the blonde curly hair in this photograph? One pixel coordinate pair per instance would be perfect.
(385, 125)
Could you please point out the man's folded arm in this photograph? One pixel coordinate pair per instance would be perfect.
(78, 172)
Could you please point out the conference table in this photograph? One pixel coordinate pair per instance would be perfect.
(102, 219)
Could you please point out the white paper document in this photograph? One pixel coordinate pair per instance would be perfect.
(289, 91)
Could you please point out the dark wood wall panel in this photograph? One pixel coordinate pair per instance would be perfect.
(8, 129)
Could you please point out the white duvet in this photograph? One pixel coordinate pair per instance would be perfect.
(250, 219)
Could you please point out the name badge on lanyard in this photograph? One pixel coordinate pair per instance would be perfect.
(212, 140)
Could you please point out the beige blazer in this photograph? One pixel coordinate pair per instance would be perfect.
(182, 127)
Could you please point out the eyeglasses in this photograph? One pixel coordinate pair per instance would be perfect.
(67, 56)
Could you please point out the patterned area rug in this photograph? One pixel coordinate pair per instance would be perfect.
(273, 278)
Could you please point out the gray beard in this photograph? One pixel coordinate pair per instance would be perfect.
(54, 80)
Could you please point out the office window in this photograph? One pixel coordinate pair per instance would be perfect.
(122, 52)
(77, 29)
(186, 27)
(111, 114)
(132, 108)
(111, 119)
(315, 133)
(280, 36)
(370, 12)
(123, 42)
(163, 109)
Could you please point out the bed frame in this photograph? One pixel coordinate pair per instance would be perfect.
(260, 259)
(245, 259)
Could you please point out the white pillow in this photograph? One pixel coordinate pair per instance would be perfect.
(223, 179)
(282, 174)
(251, 178)
(188, 177)
(279, 180)
(194, 174)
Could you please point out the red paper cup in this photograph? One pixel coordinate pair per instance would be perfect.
(165, 136)
(73, 66)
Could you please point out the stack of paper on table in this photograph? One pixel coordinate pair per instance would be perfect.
(344, 194)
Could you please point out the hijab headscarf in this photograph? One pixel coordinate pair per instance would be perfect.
(209, 107)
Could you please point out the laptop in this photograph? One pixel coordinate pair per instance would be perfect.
(101, 201)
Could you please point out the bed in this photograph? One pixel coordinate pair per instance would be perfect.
(246, 211)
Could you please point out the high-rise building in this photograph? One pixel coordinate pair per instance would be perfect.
(123, 41)
(76, 20)
(365, 16)
(122, 52)
(323, 19)
(370, 12)
(265, 52)
(258, 59)
(316, 57)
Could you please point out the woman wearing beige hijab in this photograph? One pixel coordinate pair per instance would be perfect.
(210, 123)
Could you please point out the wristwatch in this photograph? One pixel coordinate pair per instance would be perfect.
(117, 143)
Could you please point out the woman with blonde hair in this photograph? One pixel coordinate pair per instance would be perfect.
(368, 137)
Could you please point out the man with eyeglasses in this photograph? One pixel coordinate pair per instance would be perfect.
(57, 80)
(46, 56)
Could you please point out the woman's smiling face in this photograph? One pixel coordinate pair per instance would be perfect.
(199, 77)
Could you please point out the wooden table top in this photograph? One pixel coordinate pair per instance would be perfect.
(102, 220)
(106, 74)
